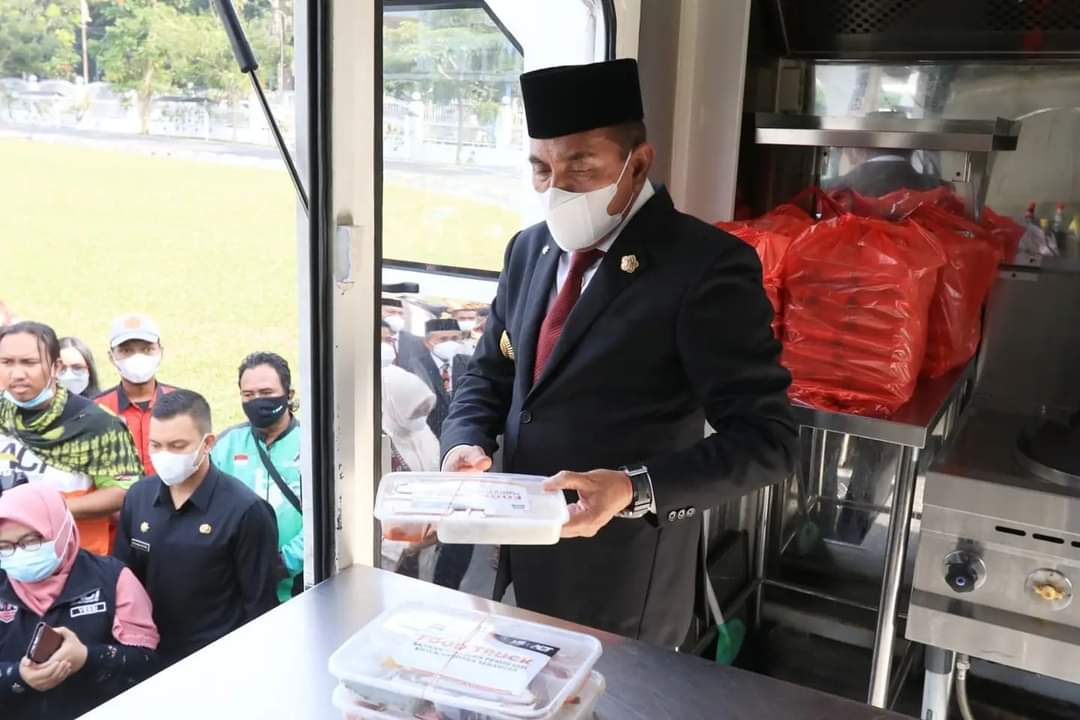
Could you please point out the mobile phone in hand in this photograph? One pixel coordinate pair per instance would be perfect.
(44, 644)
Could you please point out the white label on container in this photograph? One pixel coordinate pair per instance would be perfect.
(494, 499)
(483, 660)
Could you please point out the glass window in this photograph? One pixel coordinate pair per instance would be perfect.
(455, 190)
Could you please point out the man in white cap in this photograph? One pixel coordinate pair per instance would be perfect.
(136, 351)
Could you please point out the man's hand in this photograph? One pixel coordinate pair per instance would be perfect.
(72, 651)
(467, 458)
(46, 676)
(602, 494)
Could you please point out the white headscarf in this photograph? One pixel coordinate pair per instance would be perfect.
(406, 403)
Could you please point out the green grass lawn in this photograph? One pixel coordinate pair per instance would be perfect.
(207, 249)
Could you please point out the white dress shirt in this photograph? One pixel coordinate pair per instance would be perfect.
(647, 191)
(449, 365)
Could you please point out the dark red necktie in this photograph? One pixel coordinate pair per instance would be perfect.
(556, 316)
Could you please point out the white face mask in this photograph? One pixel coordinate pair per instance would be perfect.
(578, 221)
(175, 468)
(74, 380)
(447, 349)
(388, 354)
(396, 323)
(139, 368)
(467, 325)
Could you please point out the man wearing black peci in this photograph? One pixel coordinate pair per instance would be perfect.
(619, 327)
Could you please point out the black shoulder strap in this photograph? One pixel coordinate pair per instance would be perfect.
(278, 480)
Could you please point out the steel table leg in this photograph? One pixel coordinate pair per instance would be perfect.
(761, 549)
(895, 554)
(816, 481)
(937, 686)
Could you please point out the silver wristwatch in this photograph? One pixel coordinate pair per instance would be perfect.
(642, 502)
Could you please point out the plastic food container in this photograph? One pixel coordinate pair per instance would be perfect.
(580, 706)
(482, 508)
(419, 658)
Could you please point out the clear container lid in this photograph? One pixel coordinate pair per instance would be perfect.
(485, 508)
(354, 706)
(419, 653)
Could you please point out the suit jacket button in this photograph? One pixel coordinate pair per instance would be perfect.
(526, 417)
(682, 514)
(690, 512)
(672, 516)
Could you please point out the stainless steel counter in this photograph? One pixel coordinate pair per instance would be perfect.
(276, 667)
(911, 425)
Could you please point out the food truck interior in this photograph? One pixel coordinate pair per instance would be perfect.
(923, 559)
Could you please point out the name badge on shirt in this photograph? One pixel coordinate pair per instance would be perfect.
(140, 545)
(95, 609)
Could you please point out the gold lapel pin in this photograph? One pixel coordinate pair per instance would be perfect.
(505, 346)
(145, 527)
(629, 264)
(205, 529)
(545, 250)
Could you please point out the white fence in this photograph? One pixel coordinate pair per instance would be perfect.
(412, 131)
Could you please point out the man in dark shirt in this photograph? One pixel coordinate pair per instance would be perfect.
(201, 542)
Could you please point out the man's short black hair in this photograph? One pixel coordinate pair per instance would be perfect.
(45, 336)
(279, 365)
(629, 135)
(184, 402)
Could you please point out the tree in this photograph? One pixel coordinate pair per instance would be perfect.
(162, 46)
(456, 56)
(138, 50)
(37, 37)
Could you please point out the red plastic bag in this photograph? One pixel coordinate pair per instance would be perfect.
(857, 294)
(899, 203)
(1005, 231)
(771, 248)
(955, 320)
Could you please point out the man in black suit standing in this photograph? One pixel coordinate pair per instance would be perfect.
(619, 327)
(441, 364)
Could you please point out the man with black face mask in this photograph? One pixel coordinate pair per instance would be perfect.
(264, 454)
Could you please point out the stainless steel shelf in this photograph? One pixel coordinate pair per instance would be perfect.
(973, 136)
(911, 425)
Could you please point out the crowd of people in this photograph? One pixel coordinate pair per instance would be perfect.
(136, 533)
(419, 376)
(132, 534)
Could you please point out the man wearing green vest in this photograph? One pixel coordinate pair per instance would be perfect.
(264, 453)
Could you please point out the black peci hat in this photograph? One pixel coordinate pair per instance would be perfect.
(575, 98)
(442, 325)
(391, 302)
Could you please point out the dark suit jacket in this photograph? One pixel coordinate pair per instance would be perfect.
(645, 358)
(410, 349)
(423, 365)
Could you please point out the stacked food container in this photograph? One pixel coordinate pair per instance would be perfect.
(426, 662)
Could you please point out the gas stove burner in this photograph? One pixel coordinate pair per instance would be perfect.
(1051, 450)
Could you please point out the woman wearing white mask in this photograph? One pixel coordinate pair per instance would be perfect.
(406, 403)
(78, 371)
(52, 437)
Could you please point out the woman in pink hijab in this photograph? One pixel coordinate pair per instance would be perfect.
(98, 607)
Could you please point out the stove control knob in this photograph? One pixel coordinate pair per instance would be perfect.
(1050, 589)
(964, 571)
